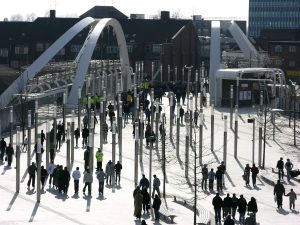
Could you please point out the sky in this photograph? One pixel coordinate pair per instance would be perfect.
(207, 8)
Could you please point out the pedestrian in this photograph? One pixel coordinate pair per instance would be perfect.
(247, 174)
(101, 178)
(25, 143)
(66, 180)
(250, 220)
(99, 159)
(219, 176)
(118, 168)
(217, 203)
(252, 207)
(31, 172)
(279, 191)
(242, 207)
(9, 154)
(86, 158)
(223, 170)
(288, 166)
(228, 220)
(144, 182)
(109, 170)
(181, 113)
(85, 135)
(135, 191)
(77, 136)
(88, 180)
(76, 176)
(292, 198)
(143, 222)
(44, 175)
(204, 172)
(196, 115)
(211, 178)
(2, 149)
(43, 137)
(146, 200)
(156, 205)
(105, 131)
(138, 202)
(156, 184)
(50, 170)
(227, 205)
(254, 171)
(55, 182)
(235, 202)
(279, 166)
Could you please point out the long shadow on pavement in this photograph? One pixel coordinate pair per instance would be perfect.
(88, 199)
(36, 206)
(12, 201)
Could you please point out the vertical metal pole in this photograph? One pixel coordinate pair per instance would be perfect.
(68, 161)
(182, 74)
(201, 139)
(212, 127)
(91, 142)
(141, 131)
(156, 124)
(29, 139)
(225, 141)
(101, 124)
(18, 160)
(161, 73)
(187, 145)
(261, 100)
(36, 121)
(55, 126)
(38, 179)
(237, 91)
(164, 154)
(169, 71)
(235, 131)
(120, 130)
(260, 139)
(231, 105)
(152, 72)
(114, 127)
(72, 135)
(171, 115)
(64, 112)
(0, 129)
(11, 126)
(175, 71)
(178, 129)
(196, 95)
(89, 110)
(136, 153)
(47, 142)
(253, 144)
(191, 121)
(294, 90)
(152, 108)
(79, 108)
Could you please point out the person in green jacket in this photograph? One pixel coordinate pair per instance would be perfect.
(99, 158)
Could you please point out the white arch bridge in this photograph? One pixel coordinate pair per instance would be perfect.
(78, 69)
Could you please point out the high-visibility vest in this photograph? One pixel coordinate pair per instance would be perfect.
(99, 156)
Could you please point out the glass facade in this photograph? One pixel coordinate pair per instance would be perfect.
(273, 14)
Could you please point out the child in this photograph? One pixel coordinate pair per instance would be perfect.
(292, 196)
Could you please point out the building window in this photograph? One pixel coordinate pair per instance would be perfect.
(156, 48)
(292, 49)
(21, 50)
(39, 47)
(3, 52)
(112, 49)
(278, 48)
(292, 63)
(130, 48)
(75, 48)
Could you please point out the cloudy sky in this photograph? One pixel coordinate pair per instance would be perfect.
(186, 8)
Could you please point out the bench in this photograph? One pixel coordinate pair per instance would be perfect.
(166, 214)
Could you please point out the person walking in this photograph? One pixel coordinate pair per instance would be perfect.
(86, 158)
(217, 203)
(181, 114)
(227, 205)
(156, 184)
(109, 170)
(88, 180)
(156, 206)
(204, 172)
(247, 174)
(242, 207)
(138, 202)
(105, 131)
(65, 180)
(146, 200)
(144, 182)
(288, 166)
(43, 137)
(9, 154)
(31, 172)
(137, 188)
(50, 169)
(222, 168)
(279, 166)
(254, 171)
(219, 176)
(279, 191)
(292, 198)
(235, 202)
(2, 149)
(76, 176)
(25, 143)
(44, 175)
(252, 207)
(99, 159)
(77, 136)
(228, 220)
(118, 168)
(211, 178)
(101, 178)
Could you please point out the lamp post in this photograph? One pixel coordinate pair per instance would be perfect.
(114, 128)
(259, 138)
(156, 124)
(237, 90)
(231, 105)
(141, 132)
(47, 142)
(68, 161)
(178, 129)
(54, 127)
(152, 108)
(72, 134)
(212, 127)
(136, 134)
(196, 96)
(235, 131)
(225, 141)
(89, 110)
(187, 137)
(164, 153)
(11, 125)
(29, 138)
(252, 120)
(120, 130)
(38, 180)
(191, 120)
(36, 121)
(101, 124)
(152, 72)
(161, 73)
(18, 160)
(169, 71)
(175, 72)
(201, 138)
(91, 142)
(64, 112)
(171, 115)
(79, 108)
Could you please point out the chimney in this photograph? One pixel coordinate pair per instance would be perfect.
(164, 15)
(52, 14)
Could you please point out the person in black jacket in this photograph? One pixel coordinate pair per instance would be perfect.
(44, 175)
(279, 191)
(279, 166)
(228, 220)
(2, 148)
(156, 206)
(252, 207)
(217, 202)
(86, 158)
(227, 205)
(118, 168)
(9, 154)
(242, 209)
(219, 176)
(235, 202)
(77, 136)
(146, 200)
(204, 177)
(31, 172)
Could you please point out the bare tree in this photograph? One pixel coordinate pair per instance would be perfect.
(30, 17)
(17, 17)
(177, 14)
